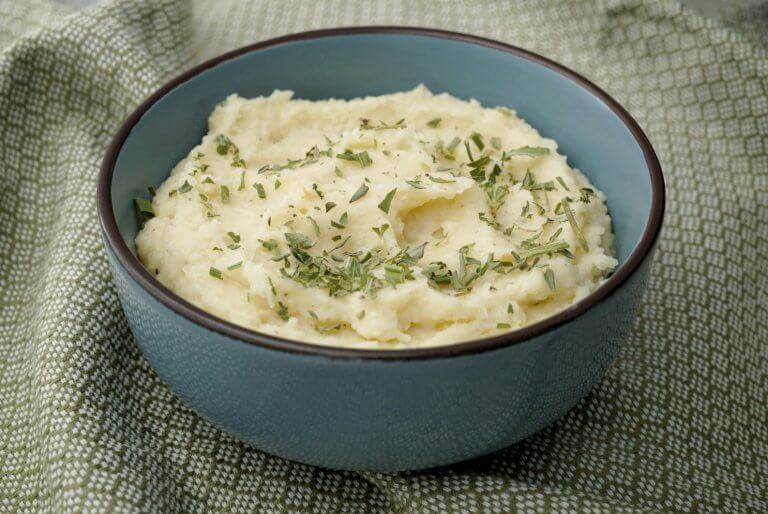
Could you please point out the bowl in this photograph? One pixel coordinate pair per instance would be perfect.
(370, 409)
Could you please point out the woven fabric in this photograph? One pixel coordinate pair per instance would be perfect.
(680, 422)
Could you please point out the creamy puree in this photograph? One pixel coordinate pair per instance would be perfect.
(395, 221)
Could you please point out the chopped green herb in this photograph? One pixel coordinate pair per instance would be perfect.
(215, 273)
(545, 249)
(585, 194)
(241, 187)
(186, 187)
(365, 125)
(269, 244)
(469, 151)
(317, 191)
(329, 206)
(224, 194)
(260, 190)
(223, 144)
(338, 172)
(340, 244)
(361, 191)
(453, 144)
(440, 180)
(529, 151)
(361, 314)
(235, 266)
(282, 311)
(549, 277)
(342, 223)
(477, 169)
(298, 240)
(416, 184)
(478, 140)
(277, 184)
(496, 195)
(151, 191)
(528, 181)
(380, 230)
(434, 123)
(144, 207)
(387, 201)
(510, 309)
(208, 180)
(361, 158)
(315, 226)
(503, 326)
(234, 237)
(496, 143)
(574, 226)
(562, 183)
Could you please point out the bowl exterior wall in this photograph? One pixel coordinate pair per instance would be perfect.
(379, 415)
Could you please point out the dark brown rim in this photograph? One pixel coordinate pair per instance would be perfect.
(211, 322)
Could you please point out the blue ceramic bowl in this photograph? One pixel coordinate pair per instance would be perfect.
(365, 409)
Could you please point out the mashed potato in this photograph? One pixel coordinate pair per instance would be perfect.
(403, 220)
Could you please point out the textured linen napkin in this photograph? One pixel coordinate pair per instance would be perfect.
(680, 422)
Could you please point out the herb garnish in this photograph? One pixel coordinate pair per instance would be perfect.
(298, 240)
(380, 230)
(359, 193)
(387, 201)
(478, 140)
(215, 273)
(260, 190)
(434, 123)
(269, 244)
(574, 226)
(362, 158)
(223, 144)
(315, 226)
(342, 223)
(365, 125)
(529, 151)
(453, 144)
(282, 311)
(549, 278)
(186, 187)
(440, 180)
(144, 207)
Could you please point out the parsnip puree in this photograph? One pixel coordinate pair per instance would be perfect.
(395, 221)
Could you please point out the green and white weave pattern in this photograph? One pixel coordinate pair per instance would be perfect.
(680, 423)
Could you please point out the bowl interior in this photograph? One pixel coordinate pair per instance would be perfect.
(587, 130)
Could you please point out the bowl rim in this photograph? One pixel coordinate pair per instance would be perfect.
(171, 300)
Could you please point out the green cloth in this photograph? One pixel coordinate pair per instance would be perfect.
(680, 422)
